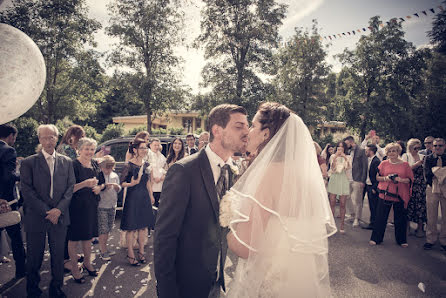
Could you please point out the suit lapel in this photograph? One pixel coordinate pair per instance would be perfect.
(44, 165)
(208, 178)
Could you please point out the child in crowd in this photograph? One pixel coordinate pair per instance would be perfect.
(107, 204)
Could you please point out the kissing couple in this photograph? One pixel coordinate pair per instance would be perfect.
(276, 218)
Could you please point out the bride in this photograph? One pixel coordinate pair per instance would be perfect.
(279, 216)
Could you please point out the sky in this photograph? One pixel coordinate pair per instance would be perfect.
(333, 16)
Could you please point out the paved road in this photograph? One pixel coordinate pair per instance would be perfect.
(357, 270)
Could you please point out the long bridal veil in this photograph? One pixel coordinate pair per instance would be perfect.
(282, 198)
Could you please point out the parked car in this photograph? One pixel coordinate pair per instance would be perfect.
(118, 148)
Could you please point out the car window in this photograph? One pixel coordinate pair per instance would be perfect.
(118, 151)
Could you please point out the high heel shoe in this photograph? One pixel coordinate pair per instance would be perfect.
(93, 272)
(142, 258)
(79, 280)
(133, 261)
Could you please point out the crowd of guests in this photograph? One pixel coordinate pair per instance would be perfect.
(410, 183)
(70, 194)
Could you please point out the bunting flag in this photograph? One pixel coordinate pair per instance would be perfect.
(381, 25)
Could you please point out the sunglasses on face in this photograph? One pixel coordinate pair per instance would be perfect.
(438, 145)
(417, 148)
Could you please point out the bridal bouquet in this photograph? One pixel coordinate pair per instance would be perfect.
(226, 212)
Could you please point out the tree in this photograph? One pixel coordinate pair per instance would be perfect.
(438, 32)
(302, 73)
(148, 31)
(380, 81)
(60, 28)
(238, 37)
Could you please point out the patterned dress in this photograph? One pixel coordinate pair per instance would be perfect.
(416, 210)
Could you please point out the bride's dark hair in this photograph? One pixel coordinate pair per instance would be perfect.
(272, 116)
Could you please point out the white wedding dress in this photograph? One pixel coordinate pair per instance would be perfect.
(282, 196)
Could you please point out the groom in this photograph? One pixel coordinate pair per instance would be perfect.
(190, 246)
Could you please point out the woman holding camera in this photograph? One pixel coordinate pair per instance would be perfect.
(395, 185)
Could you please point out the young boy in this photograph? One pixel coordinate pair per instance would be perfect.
(107, 204)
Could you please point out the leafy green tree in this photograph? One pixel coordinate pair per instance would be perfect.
(61, 29)
(112, 131)
(238, 37)
(380, 81)
(148, 31)
(438, 32)
(27, 141)
(302, 74)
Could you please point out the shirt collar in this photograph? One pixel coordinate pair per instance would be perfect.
(216, 162)
(46, 155)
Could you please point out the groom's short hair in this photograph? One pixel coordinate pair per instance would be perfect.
(220, 115)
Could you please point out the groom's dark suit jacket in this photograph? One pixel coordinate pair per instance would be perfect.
(188, 237)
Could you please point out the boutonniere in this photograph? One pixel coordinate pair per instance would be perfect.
(234, 169)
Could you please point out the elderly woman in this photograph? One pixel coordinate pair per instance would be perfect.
(416, 210)
(69, 143)
(84, 207)
(395, 179)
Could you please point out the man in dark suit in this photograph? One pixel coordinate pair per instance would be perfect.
(190, 245)
(359, 174)
(8, 179)
(371, 182)
(190, 141)
(47, 181)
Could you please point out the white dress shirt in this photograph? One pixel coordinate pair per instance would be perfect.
(51, 167)
(216, 163)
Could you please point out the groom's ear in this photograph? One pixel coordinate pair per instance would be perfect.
(216, 130)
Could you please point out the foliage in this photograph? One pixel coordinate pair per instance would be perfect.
(27, 141)
(90, 132)
(112, 131)
(198, 131)
(238, 38)
(302, 74)
(438, 32)
(61, 28)
(380, 81)
(176, 130)
(159, 131)
(134, 131)
(148, 31)
(63, 125)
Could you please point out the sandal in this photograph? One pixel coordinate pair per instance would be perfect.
(133, 261)
(142, 258)
(93, 272)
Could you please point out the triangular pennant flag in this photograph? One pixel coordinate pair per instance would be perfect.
(349, 33)
(394, 20)
(353, 32)
(329, 37)
(320, 38)
(433, 11)
(388, 23)
(425, 13)
(370, 28)
(440, 7)
(402, 20)
(416, 14)
(408, 17)
(334, 36)
(359, 30)
(381, 25)
(364, 29)
(339, 35)
(343, 33)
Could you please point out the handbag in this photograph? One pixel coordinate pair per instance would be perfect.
(9, 217)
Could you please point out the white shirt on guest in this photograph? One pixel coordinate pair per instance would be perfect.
(368, 181)
(157, 162)
(53, 156)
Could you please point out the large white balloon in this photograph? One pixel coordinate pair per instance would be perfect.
(22, 73)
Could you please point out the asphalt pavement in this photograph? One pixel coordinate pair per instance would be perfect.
(356, 270)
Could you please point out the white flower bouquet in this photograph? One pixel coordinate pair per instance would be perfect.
(226, 212)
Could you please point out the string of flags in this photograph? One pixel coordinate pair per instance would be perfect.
(393, 20)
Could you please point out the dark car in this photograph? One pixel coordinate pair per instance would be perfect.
(118, 148)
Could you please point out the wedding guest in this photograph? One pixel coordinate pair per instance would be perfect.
(395, 179)
(107, 204)
(68, 145)
(416, 210)
(371, 183)
(435, 194)
(326, 154)
(338, 184)
(158, 172)
(176, 152)
(428, 144)
(373, 139)
(84, 207)
(140, 135)
(203, 140)
(47, 180)
(8, 179)
(137, 214)
(321, 161)
(190, 141)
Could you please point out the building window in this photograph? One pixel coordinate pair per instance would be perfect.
(187, 123)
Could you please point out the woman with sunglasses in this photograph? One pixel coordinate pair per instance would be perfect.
(137, 214)
(395, 179)
(416, 210)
